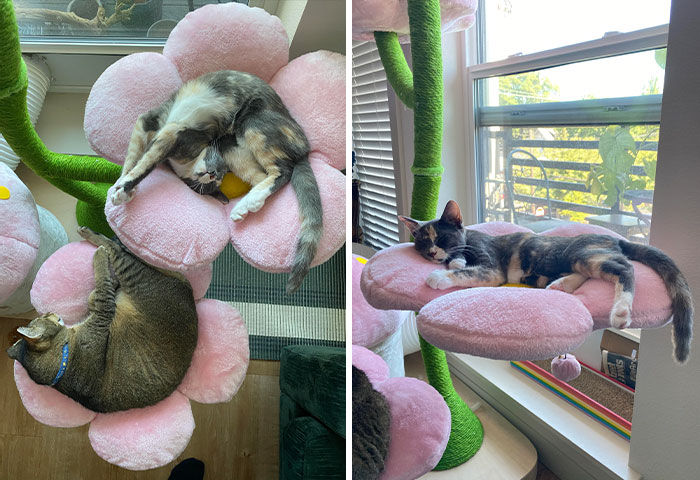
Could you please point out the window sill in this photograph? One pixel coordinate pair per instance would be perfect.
(569, 442)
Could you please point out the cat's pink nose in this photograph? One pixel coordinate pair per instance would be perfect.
(212, 176)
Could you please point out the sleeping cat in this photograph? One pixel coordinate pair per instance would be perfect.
(371, 428)
(135, 345)
(475, 259)
(270, 149)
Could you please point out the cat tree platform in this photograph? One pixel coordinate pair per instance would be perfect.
(506, 322)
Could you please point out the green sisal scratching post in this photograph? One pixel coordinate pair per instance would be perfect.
(83, 177)
(422, 91)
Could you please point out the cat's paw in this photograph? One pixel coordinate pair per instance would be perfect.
(621, 315)
(239, 211)
(440, 280)
(560, 284)
(120, 196)
(457, 264)
(255, 202)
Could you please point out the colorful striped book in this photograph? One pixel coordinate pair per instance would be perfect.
(589, 406)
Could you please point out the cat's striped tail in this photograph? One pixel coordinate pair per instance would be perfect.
(304, 184)
(678, 290)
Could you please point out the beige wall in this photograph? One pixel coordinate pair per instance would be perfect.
(60, 126)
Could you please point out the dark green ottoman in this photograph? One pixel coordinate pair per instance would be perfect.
(312, 413)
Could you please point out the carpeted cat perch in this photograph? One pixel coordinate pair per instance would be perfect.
(422, 90)
(167, 224)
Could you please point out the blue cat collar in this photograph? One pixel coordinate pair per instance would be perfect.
(62, 368)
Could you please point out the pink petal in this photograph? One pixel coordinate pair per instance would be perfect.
(369, 16)
(221, 358)
(369, 325)
(131, 86)
(49, 406)
(144, 438)
(506, 323)
(267, 239)
(228, 36)
(312, 87)
(394, 278)
(200, 278)
(573, 229)
(373, 365)
(19, 232)
(65, 281)
(168, 225)
(420, 428)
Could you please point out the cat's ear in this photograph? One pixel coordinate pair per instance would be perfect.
(412, 225)
(32, 335)
(452, 214)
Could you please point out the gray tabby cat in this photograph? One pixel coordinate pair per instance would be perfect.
(475, 259)
(270, 149)
(135, 345)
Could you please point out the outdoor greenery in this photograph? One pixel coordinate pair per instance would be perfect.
(611, 150)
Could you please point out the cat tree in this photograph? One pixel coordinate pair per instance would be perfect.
(502, 323)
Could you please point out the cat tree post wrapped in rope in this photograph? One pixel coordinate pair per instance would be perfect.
(422, 91)
(83, 177)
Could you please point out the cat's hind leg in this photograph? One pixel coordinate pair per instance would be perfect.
(474, 276)
(274, 175)
(617, 270)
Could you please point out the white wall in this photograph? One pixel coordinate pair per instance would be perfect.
(666, 423)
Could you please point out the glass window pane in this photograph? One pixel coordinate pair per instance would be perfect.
(103, 18)
(526, 26)
(543, 176)
(640, 73)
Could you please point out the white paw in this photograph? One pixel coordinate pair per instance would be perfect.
(240, 210)
(559, 284)
(119, 196)
(621, 315)
(457, 264)
(440, 280)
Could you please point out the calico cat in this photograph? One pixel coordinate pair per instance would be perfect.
(475, 259)
(270, 149)
(135, 345)
(371, 422)
(206, 174)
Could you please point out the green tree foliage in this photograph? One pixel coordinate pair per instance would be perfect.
(611, 151)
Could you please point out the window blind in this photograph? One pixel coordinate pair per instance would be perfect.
(371, 141)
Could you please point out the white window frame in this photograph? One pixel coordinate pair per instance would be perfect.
(569, 442)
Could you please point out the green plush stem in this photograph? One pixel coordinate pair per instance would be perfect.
(397, 72)
(467, 433)
(74, 174)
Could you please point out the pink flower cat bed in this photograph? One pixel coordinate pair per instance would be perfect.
(168, 224)
(28, 235)
(507, 323)
(418, 417)
(143, 438)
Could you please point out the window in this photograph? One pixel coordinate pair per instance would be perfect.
(102, 18)
(371, 142)
(521, 27)
(569, 134)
